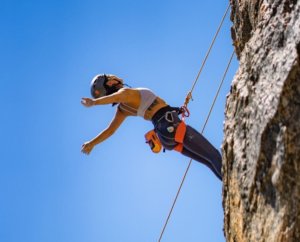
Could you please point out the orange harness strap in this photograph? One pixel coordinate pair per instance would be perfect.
(181, 129)
(179, 136)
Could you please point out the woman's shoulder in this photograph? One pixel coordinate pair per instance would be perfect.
(139, 90)
(130, 94)
(143, 89)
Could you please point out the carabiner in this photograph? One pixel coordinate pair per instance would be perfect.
(184, 111)
(170, 120)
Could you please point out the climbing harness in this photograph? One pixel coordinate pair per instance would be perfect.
(188, 97)
(169, 114)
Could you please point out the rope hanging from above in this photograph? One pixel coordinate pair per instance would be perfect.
(186, 102)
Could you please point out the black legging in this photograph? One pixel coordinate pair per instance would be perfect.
(195, 145)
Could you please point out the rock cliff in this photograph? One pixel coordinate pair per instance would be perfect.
(261, 146)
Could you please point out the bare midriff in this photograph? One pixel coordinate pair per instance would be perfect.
(134, 102)
(155, 106)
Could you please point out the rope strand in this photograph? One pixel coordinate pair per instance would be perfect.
(206, 56)
(217, 94)
(203, 128)
(188, 97)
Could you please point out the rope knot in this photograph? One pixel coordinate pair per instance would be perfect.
(188, 98)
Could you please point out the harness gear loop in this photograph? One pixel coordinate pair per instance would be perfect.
(186, 102)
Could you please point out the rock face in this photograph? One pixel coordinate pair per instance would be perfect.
(261, 146)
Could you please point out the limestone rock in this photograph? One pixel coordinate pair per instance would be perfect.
(261, 146)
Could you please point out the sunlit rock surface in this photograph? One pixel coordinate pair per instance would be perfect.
(261, 146)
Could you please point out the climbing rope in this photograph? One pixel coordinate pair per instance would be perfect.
(188, 167)
(187, 99)
(189, 95)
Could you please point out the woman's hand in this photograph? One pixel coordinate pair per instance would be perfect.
(87, 147)
(87, 102)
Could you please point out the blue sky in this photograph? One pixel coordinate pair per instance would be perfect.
(50, 50)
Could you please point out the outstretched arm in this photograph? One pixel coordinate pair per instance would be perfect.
(113, 126)
(120, 96)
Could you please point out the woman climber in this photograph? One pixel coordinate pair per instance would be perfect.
(109, 89)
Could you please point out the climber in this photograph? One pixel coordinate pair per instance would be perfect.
(110, 89)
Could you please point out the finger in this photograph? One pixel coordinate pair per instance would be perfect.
(84, 99)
